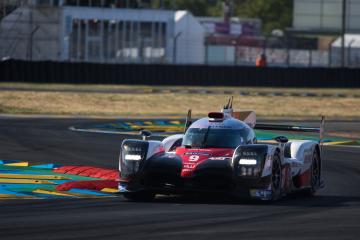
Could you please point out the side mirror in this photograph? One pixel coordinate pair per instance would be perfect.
(145, 134)
(281, 139)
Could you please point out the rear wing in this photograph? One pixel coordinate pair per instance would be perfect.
(291, 128)
(248, 117)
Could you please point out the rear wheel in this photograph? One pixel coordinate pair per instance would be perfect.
(143, 196)
(315, 175)
(276, 178)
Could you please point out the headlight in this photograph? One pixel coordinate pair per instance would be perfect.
(248, 167)
(249, 171)
(248, 162)
(131, 157)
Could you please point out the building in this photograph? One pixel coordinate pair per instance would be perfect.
(321, 22)
(224, 37)
(326, 15)
(352, 51)
(101, 31)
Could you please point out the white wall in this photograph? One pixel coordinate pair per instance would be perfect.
(352, 51)
(190, 47)
(51, 40)
(134, 15)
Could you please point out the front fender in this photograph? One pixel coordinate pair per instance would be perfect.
(301, 155)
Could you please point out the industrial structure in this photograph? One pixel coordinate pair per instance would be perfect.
(155, 31)
(101, 31)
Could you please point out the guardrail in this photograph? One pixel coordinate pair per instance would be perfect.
(157, 74)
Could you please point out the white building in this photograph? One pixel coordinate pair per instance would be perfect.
(326, 15)
(352, 51)
(58, 30)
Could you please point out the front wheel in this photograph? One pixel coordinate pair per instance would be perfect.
(143, 196)
(276, 178)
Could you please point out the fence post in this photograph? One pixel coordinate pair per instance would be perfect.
(349, 53)
(206, 53)
(287, 49)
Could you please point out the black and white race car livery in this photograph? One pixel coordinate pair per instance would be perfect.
(221, 154)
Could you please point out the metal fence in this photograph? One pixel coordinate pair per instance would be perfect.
(281, 52)
(167, 74)
(33, 33)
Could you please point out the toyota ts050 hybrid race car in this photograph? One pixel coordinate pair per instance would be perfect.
(221, 154)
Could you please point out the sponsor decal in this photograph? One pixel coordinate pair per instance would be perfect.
(189, 166)
(122, 187)
(219, 125)
(219, 158)
(261, 193)
(197, 153)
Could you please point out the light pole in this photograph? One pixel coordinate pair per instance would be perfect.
(343, 31)
(175, 47)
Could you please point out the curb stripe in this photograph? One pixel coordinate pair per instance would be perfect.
(27, 181)
(32, 176)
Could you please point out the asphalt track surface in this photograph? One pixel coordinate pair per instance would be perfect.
(333, 214)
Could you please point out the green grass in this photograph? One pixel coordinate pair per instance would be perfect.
(104, 87)
(81, 101)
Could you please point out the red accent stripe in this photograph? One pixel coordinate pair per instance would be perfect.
(303, 180)
(89, 171)
(103, 172)
(64, 169)
(89, 185)
(79, 170)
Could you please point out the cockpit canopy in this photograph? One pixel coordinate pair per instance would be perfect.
(228, 133)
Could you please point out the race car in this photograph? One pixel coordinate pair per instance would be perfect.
(220, 154)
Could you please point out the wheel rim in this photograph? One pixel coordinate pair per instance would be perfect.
(276, 175)
(315, 171)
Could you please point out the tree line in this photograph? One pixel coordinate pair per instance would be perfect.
(275, 14)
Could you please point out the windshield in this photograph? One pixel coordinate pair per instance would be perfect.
(215, 138)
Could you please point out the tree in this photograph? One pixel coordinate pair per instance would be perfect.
(275, 14)
(200, 7)
(196, 7)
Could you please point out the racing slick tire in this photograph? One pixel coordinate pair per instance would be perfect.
(315, 175)
(143, 196)
(276, 176)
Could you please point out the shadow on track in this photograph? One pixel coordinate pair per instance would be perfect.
(296, 200)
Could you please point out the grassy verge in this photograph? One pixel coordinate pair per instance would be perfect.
(131, 105)
(104, 87)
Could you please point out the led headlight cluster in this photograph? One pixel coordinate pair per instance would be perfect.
(247, 171)
(248, 167)
(248, 162)
(132, 154)
(132, 149)
(132, 157)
